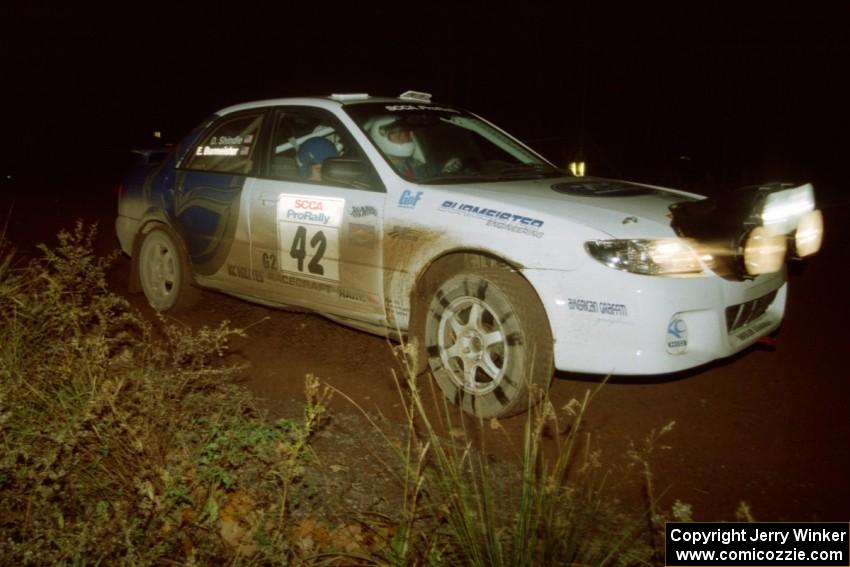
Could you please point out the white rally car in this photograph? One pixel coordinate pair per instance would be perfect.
(403, 217)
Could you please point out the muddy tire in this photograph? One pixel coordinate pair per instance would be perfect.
(488, 342)
(164, 272)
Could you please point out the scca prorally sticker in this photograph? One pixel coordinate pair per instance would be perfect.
(496, 218)
(308, 234)
(310, 210)
(600, 307)
(677, 335)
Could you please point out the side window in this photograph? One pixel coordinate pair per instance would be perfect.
(228, 146)
(304, 138)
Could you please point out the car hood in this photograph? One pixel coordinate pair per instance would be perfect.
(617, 208)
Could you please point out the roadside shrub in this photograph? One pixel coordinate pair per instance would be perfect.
(125, 442)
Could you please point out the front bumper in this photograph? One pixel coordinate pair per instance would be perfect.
(609, 322)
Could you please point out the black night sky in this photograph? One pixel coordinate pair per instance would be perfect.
(700, 98)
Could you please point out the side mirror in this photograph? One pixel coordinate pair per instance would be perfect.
(351, 172)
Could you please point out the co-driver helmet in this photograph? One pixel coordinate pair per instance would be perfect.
(379, 131)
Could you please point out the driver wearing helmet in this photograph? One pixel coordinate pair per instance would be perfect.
(311, 154)
(395, 140)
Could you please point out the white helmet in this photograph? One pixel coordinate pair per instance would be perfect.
(379, 129)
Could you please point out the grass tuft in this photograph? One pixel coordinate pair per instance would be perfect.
(462, 508)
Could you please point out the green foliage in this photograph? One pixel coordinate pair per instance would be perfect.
(123, 442)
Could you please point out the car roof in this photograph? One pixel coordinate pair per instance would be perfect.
(327, 102)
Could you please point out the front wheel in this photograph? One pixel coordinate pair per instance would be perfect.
(164, 271)
(489, 343)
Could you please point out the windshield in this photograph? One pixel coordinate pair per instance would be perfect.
(435, 144)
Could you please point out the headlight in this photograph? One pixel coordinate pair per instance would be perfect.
(764, 251)
(781, 210)
(809, 233)
(667, 256)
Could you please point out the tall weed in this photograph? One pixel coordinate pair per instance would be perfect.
(463, 508)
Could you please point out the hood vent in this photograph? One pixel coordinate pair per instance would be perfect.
(602, 188)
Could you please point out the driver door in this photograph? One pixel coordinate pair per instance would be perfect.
(317, 242)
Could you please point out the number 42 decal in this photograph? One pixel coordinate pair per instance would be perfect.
(309, 250)
(308, 235)
(319, 243)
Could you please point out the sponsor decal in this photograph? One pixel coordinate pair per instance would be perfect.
(404, 233)
(496, 218)
(677, 335)
(749, 332)
(290, 280)
(408, 199)
(363, 211)
(244, 273)
(600, 307)
(351, 295)
(397, 308)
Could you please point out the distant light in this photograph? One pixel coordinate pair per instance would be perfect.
(577, 168)
(157, 134)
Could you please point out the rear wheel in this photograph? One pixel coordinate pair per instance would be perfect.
(488, 342)
(164, 272)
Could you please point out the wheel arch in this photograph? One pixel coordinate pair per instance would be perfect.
(437, 269)
(151, 220)
(463, 258)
